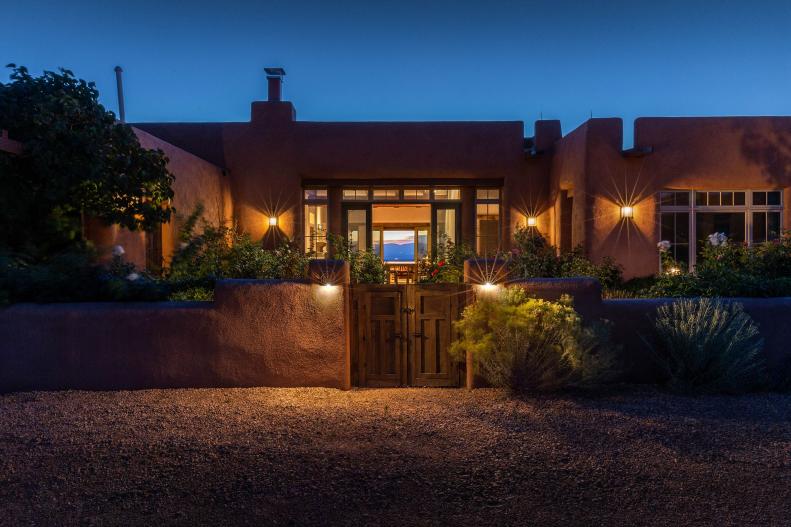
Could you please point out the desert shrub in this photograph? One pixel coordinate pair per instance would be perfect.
(533, 257)
(531, 345)
(365, 267)
(447, 265)
(705, 345)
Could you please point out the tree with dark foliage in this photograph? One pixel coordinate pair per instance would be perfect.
(78, 162)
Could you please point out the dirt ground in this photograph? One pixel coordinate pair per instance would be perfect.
(392, 457)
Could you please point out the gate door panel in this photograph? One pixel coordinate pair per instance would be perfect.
(435, 309)
(381, 361)
(402, 334)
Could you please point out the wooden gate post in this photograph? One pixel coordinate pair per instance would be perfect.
(336, 273)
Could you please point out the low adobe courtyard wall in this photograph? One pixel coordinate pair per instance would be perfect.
(632, 320)
(255, 333)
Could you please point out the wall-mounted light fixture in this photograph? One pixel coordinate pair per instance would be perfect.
(273, 221)
(532, 221)
(627, 212)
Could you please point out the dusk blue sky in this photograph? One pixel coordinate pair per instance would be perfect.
(405, 60)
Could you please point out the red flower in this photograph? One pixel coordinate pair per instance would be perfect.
(441, 263)
(434, 272)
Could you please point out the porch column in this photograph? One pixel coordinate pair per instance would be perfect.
(334, 213)
(468, 216)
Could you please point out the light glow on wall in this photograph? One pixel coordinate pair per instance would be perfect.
(532, 221)
(273, 221)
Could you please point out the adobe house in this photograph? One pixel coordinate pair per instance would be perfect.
(398, 187)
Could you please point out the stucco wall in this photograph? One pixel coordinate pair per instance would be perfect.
(196, 181)
(255, 333)
(632, 319)
(715, 153)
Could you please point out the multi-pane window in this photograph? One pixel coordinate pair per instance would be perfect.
(487, 221)
(447, 193)
(385, 193)
(315, 194)
(315, 222)
(352, 194)
(688, 218)
(316, 230)
(417, 194)
(487, 193)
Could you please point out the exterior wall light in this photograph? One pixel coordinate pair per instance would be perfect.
(273, 221)
(627, 212)
(532, 221)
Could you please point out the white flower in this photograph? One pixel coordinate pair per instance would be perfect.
(183, 245)
(132, 277)
(118, 251)
(663, 246)
(717, 239)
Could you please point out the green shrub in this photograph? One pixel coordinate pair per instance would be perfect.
(530, 345)
(704, 345)
(193, 294)
(533, 257)
(365, 267)
(223, 252)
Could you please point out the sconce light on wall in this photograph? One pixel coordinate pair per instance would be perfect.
(273, 221)
(627, 212)
(532, 221)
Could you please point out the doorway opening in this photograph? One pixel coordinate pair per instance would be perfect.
(400, 235)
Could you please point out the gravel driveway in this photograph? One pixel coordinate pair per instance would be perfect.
(392, 457)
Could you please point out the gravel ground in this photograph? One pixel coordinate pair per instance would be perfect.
(392, 457)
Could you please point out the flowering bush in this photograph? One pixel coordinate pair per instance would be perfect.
(725, 268)
(447, 266)
(530, 345)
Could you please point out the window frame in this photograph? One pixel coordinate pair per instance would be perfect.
(489, 201)
(314, 201)
(747, 209)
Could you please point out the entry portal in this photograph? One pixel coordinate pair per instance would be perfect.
(401, 334)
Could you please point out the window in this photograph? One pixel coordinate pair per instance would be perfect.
(675, 229)
(316, 230)
(421, 194)
(390, 193)
(487, 193)
(357, 227)
(751, 216)
(766, 226)
(447, 193)
(487, 221)
(353, 194)
(315, 194)
(487, 228)
(446, 226)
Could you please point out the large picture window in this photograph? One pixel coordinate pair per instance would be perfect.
(689, 217)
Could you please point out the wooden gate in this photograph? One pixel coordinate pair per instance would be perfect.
(401, 334)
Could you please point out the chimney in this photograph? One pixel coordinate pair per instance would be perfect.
(119, 84)
(274, 78)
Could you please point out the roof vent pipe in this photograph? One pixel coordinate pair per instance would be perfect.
(274, 79)
(119, 83)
